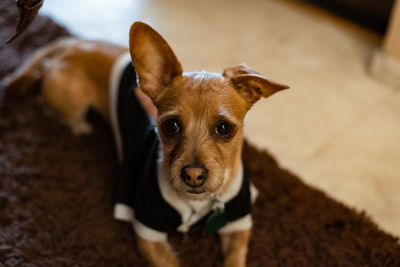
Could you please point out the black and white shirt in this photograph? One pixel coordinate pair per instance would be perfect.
(144, 196)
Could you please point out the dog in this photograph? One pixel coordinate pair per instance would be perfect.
(179, 135)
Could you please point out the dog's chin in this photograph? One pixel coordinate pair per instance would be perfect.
(195, 194)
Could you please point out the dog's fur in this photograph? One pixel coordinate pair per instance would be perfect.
(75, 76)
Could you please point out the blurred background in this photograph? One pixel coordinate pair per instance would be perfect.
(338, 127)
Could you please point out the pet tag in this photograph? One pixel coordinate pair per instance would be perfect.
(216, 221)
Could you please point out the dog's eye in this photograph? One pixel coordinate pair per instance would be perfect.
(223, 129)
(171, 127)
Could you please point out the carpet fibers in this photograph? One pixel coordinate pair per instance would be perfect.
(56, 195)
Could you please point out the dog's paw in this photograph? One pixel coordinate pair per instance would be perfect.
(234, 261)
(81, 128)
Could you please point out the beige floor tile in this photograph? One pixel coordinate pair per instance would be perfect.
(361, 166)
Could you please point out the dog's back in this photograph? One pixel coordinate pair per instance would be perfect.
(75, 76)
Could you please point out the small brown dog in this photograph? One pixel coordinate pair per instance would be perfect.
(199, 117)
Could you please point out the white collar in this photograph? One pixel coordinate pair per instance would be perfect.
(192, 211)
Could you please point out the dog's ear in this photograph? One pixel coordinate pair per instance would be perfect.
(250, 84)
(153, 59)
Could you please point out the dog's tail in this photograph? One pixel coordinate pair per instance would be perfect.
(31, 71)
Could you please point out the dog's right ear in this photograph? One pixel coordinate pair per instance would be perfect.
(153, 59)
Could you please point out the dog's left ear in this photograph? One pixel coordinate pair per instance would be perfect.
(251, 85)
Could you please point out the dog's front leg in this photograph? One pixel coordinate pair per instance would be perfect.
(234, 247)
(157, 253)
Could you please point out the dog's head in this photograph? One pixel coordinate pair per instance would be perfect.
(200, 114)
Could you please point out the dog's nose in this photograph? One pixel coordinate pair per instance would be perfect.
(194, 176)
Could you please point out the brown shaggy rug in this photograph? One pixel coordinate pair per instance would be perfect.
(56, 195)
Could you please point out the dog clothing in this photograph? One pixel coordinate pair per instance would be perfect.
(144, 196)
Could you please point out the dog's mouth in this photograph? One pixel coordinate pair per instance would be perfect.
(196, 192)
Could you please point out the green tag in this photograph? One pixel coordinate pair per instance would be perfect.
(216, 221)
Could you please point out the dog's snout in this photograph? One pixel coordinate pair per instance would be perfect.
(194, 176)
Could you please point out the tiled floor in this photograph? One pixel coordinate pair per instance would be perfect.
(337, 127)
